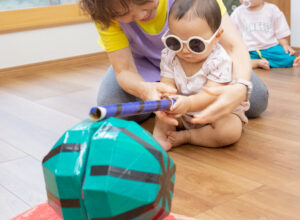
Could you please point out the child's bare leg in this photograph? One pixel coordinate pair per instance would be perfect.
(260, 63)
(160, 133)
(297, 62)
(223, 132)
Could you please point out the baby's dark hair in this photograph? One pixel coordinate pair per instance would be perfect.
(205, 9)
(104, 11)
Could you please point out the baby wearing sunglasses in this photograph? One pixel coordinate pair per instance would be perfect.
(191, 61)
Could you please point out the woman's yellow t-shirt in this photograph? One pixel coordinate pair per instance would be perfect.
(114, 38)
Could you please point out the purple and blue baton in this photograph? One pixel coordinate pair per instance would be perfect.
(131, 108)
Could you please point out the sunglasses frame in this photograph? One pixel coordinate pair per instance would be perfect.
(187, 42)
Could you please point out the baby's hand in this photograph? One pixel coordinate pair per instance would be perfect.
(181, 106)
(289, 49)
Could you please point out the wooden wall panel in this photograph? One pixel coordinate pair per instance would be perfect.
(33, 18)
(285, 6)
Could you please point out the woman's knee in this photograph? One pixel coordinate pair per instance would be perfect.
(110, 92)
(259, 97)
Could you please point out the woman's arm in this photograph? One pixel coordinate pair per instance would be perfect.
(235, 47)
(229, 96)
(126, 71)
(130, 80)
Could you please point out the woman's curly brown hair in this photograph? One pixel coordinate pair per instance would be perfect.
(104, 11)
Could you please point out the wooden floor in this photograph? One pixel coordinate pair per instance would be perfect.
(258, 178)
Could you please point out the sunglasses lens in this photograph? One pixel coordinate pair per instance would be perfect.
(197, 45)
(173, 43)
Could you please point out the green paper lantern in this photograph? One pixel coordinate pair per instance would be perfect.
(128, 174)
(64, 168)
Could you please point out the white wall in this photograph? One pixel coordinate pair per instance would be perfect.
(295, 23)
(40, 45)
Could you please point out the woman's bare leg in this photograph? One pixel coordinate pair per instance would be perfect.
(223, 132)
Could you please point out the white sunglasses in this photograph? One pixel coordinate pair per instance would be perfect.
(195, 44)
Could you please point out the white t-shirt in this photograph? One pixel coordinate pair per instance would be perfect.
(217, 67)
(261, 29)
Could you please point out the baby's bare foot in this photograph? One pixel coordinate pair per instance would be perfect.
(264, 64)
(297, 62)
(162, 139)
(177, 138)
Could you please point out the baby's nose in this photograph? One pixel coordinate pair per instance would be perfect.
(185, 49)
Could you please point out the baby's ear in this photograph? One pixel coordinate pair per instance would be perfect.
(219, 35)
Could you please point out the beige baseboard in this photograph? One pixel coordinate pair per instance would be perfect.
(65, 62)
(297, 49)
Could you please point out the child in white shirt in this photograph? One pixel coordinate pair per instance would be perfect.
(191, 60)
(264, 29)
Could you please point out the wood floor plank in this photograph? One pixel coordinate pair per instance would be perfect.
(264, 203)
(34, 88)
(8, 152)
(213, 186)
(238, 164)
(276, 127)
(10, 205)
(24, 178)
(26, 137)
(292, 188)
(36, 114)
(188, 204)
(76, 104)
(30, 127)
(270, 149)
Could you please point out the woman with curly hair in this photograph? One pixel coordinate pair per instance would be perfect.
(130, 32)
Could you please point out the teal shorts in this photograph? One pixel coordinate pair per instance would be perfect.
(275, 55)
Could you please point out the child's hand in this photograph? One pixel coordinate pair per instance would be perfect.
(289, 49)
(181, 106)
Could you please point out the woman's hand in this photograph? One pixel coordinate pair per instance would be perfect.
(229, 97)
(155, 90)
